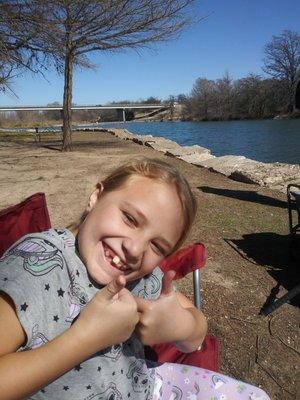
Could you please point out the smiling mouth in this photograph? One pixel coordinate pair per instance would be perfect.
(114, 259)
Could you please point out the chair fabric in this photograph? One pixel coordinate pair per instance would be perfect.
(29, 216)
(183, 262)
(207, 357)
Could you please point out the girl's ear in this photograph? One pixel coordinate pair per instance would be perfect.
(94, 196)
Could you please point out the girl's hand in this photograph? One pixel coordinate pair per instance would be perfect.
(109, 318)
(165, 319)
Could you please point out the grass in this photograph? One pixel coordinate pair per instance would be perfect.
(27, 137)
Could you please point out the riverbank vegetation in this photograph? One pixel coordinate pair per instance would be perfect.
(254, 96)
(251, 97)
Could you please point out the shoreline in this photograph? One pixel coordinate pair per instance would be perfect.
(275, 176)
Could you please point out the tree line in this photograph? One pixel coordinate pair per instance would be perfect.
(252, 96)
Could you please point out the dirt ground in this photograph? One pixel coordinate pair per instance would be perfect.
(245, 230)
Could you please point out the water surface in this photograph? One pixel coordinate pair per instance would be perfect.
(266, 141)
(261, 140)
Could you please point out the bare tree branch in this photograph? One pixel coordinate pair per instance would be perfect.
(282, 61)
(19, 26)
(71, 29)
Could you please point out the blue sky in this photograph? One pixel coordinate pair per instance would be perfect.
(231, 38)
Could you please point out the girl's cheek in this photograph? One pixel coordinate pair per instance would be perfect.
(153, 263)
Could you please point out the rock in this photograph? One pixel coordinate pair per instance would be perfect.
(121, 133)
(196, 159)
(226, 165)
(187, 150)
(142, 139)
(162, 144)
(272, 175)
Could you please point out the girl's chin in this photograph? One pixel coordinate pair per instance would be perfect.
(104, 275)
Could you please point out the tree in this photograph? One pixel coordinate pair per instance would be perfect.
(256, 97)
(74, 28)
(202, 99)
(282, 61)
(224, 98)
(248, 99)
(19, 25)
(181, 98)
(55, 115)
(152, 100)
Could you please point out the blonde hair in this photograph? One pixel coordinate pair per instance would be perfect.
(159, 170)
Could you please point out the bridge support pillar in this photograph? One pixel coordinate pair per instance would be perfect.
(121, 114)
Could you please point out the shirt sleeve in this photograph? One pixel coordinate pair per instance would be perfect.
(31, 275)
(153, 284)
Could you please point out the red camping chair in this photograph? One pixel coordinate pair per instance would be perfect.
(31, 215)
(189, 259)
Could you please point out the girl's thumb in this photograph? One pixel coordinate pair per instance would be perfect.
(167, 285)
(114, 287)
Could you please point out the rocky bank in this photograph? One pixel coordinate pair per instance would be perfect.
(271, 175)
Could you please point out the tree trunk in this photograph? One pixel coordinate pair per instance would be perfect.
(67, 104)
(291, 93)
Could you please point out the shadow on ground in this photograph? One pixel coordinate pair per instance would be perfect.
(57, 145)
(277, 254)
(245, 195)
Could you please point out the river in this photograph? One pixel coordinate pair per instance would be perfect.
(261, 140)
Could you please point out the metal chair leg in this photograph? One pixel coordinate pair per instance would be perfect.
(284, 299)
(196, 286)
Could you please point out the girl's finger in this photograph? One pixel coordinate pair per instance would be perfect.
(167, 282)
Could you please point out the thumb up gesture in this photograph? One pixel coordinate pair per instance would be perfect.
(162, 320)
(109, 318)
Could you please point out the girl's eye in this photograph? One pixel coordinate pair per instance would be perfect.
(158, 249)
(129, 219)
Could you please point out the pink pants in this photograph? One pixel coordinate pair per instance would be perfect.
(183, 382)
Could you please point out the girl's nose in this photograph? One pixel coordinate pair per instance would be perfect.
(133, 249)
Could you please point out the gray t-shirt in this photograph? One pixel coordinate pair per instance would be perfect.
(49, 285)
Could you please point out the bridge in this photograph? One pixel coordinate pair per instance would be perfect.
(119, 107)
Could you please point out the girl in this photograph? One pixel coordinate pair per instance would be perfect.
(77, 305)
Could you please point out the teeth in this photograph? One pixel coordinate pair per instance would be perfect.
(116, 260)
(118, 263)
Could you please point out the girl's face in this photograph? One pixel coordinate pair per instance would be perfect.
(130, 230)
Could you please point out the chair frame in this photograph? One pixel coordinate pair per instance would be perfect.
(293, 213)
(294, 229)
(196, 288)
(292, 204)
